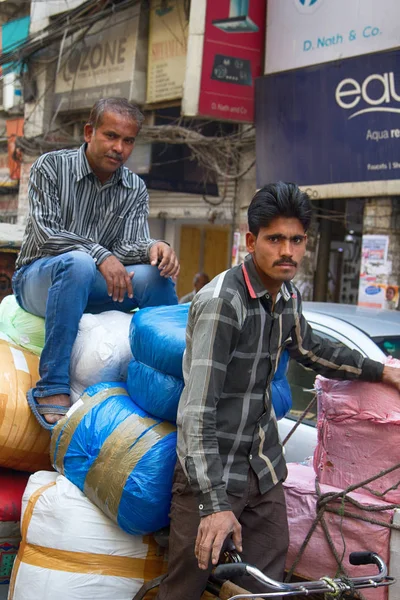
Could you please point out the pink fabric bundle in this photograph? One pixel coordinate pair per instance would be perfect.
(358, 435)
(348, 534)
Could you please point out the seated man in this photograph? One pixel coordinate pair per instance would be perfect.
(199, 281)
(86, 246)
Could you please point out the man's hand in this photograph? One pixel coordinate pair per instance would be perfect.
(118, 281)
(213, 531)
(164, 255)
(391, 376)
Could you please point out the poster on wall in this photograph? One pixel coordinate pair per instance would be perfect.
(221, 84)
(374, 290)
(308, 32)
(167, 50)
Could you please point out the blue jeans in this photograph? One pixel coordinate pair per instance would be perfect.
(61, 289)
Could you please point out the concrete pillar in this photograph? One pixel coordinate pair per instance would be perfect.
(324, 250)
(305, 275)
(245, 190)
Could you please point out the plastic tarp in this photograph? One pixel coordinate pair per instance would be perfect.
(157, 337)
(358, 434)
(158, 341)
(12, 486)
(101, 351)
(119, 456)
(71, 551)
(24, 329)
(280, 388)
(348, 534)
(24, 444)
(155, 392)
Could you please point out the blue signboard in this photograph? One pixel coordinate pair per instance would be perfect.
(332, 123)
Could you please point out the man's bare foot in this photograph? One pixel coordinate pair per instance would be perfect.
(60, 399)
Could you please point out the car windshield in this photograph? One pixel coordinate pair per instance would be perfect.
(389, 345)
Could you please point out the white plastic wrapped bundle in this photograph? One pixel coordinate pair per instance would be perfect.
(71, 551)
(101, 351)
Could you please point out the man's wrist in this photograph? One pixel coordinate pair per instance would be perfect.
(372, 371)
(99, 254)
(213, 502)
(152, 243)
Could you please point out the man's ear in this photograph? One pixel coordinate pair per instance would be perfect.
(88, 132)
(250, 241)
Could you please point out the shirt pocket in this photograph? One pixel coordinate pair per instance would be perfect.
(111, 228)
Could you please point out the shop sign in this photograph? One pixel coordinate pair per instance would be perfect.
(221, 84)
(307, 32)
(167, 50)
(102, 63)
(332, 123)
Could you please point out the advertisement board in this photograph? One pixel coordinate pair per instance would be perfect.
(333, 123)
(167, 50)
(374, 290)
(308, 32)
(103, 62)
(221, 83)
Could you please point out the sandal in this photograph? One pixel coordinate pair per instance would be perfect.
(39, 410)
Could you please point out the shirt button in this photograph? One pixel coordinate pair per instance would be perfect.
(201, 506)
(251, 457)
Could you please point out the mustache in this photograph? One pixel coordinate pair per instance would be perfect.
(284, 261)
(115, 156)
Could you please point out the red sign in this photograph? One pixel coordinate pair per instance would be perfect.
(232, 57)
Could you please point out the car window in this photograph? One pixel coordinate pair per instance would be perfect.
(301, 381)
(389, 345)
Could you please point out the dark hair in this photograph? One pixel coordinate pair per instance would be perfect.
(120, 106)
(278, 200)
(200, 275)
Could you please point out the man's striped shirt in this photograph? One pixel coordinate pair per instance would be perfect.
(234, 340)
(69, 210)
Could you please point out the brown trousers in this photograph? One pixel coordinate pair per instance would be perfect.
(264, 534)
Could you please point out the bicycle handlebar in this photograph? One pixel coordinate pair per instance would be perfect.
(363, 558)
(232, 570)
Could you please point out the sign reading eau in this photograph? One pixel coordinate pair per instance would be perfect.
(334, 123)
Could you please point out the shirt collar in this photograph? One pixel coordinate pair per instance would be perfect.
(254, 285)
(83, 169)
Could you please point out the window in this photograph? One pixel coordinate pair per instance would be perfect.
(389, 345)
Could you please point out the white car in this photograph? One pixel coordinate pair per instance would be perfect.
(374, 333)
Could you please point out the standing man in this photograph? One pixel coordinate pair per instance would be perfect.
(199, 281)
(228, 479)
(87, 246)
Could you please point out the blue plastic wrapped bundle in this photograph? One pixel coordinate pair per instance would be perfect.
(157, 337)
(155, 379)
(157, 393)
(119, 456)
(280, 388)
